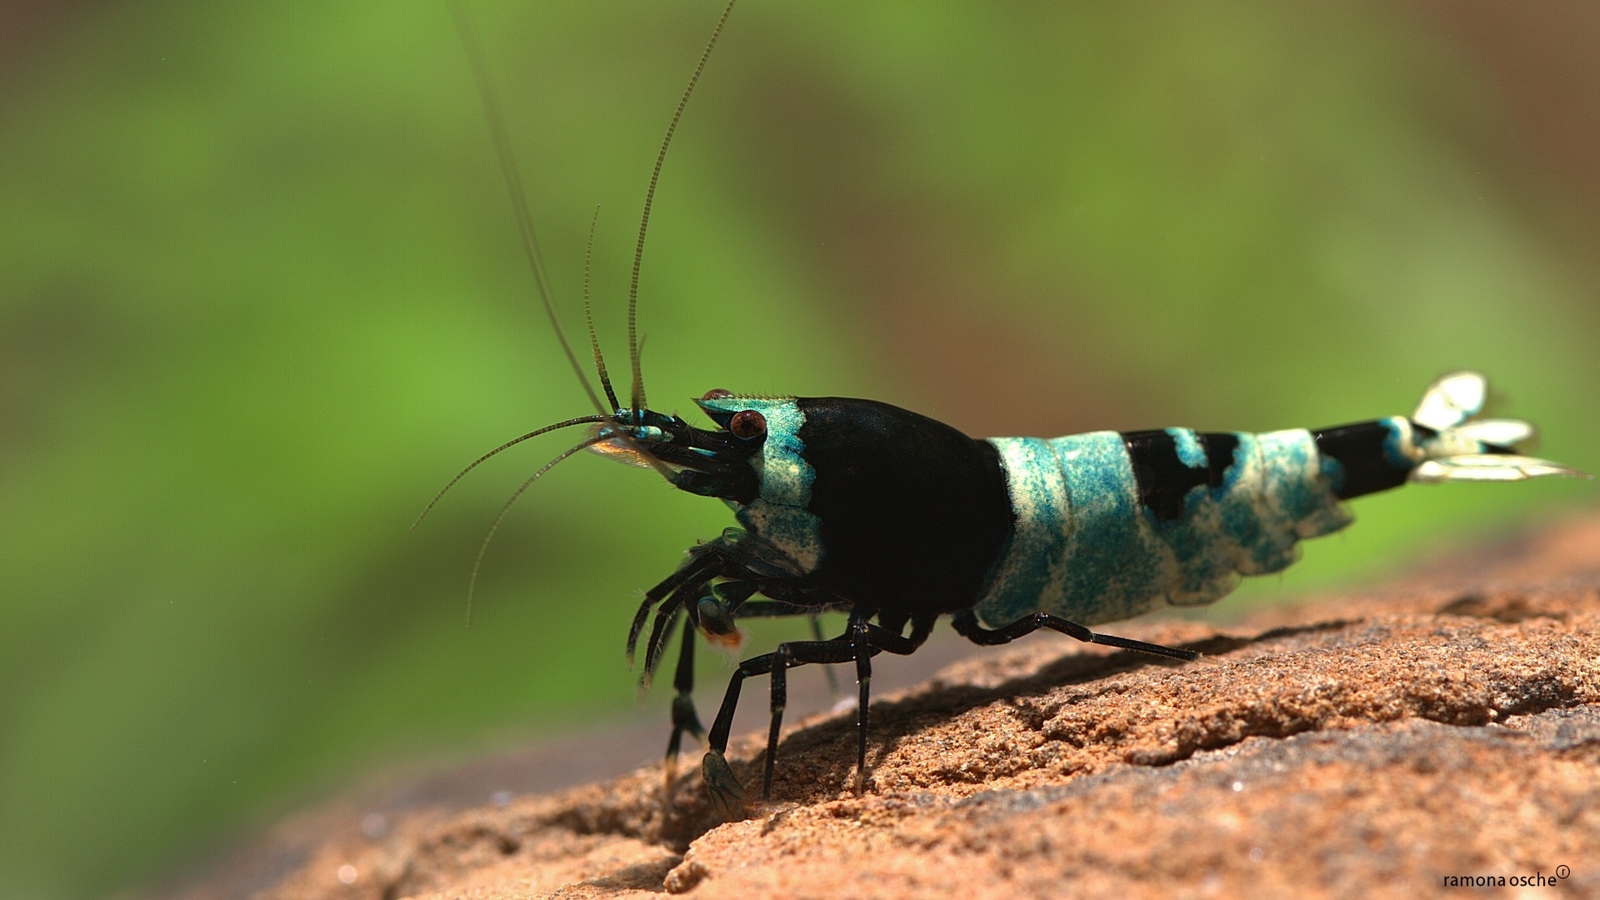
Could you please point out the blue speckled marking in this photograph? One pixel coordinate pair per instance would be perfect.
(1300, 498)
(1240, 509)
(1204, 553)
(1333, 473)
(1116, 567)
(1038, 492)
(1087, 550)
(779, 514)
(1190, 453)
(1399, 448)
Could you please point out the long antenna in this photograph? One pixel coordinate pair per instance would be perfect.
(588, 315)
(638, 399)
(581, 420)
(519, 200)
(530, 247)
(477, 564)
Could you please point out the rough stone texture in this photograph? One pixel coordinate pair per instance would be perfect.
(1370, 745)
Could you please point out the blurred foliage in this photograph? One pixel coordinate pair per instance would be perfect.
(260, 295)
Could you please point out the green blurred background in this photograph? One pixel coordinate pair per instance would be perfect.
(260, 296)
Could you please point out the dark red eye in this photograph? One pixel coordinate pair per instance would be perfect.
(747, 424)
(717, 394)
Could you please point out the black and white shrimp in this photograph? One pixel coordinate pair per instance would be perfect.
(896, 520)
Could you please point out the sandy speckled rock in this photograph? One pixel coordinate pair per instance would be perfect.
(1375, 745)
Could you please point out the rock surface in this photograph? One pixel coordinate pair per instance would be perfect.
(1374, 745)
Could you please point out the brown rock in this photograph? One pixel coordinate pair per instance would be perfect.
(1375, 745)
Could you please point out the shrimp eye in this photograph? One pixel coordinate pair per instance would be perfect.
(717, 394)
(748, 424)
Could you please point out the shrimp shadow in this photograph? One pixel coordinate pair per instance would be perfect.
(818, 759)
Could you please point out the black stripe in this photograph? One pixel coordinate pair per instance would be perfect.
(1162, 477)
(1360, 453)
(914, 514)
(1221, 448)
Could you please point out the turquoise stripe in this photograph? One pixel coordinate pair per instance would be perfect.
(1038, 492)
(779, 514)
(1086, 549)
